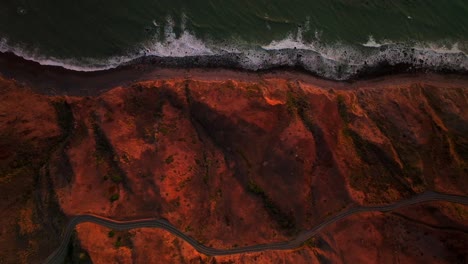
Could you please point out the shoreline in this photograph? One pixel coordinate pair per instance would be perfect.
(55, 80)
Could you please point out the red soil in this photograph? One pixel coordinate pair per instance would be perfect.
(238, 162)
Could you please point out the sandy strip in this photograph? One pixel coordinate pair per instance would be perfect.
(58, 81)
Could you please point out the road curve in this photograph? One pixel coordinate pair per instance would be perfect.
(59, 254)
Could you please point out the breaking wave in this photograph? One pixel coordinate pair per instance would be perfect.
(336, 61)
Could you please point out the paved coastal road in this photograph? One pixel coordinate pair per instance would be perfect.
(59, 254)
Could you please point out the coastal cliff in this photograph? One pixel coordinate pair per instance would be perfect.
(234, 163)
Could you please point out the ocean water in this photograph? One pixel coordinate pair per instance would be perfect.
(332, 38)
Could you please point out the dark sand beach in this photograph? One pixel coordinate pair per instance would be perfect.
(54, 80)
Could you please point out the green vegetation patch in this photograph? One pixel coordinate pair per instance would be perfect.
(114, 197)
(118, 242)
(116, 177)
(255, 189)
(106, 156)
(311, 242)
(297, 104)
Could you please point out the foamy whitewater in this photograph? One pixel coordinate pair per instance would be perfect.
(335, 61)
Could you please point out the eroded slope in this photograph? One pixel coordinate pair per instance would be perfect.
(237, 163)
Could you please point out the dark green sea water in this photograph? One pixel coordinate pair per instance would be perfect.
(317, 34)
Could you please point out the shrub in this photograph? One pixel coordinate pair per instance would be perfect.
(311, 242)
(118, 243)
(169, 159)
(115, 177)
(296, 103)
(114, 197)
(254, 188)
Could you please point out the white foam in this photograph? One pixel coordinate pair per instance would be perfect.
(71, 64)
(290, 42)
(293, 40)
(172, 46)
(187, 44)
(334, 60)
(335, 52)
(372, 43)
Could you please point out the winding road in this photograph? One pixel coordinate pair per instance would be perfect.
(59, 254)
